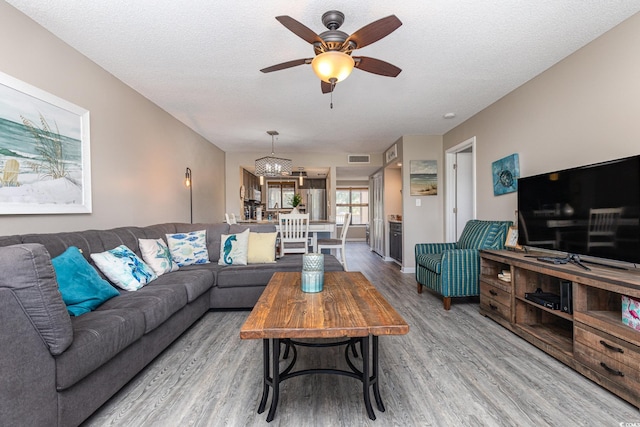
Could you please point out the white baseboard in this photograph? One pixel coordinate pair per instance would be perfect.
(408, 270)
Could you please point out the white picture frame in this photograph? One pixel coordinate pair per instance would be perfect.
(392, 153)
(45, 159)
(511, 241)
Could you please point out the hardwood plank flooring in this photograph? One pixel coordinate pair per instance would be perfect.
(454, 368)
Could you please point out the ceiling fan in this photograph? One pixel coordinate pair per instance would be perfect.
(333, 61)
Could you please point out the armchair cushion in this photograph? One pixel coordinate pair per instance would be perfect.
(478, 234)
(431, 262)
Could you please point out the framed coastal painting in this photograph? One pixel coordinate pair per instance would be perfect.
(423, 178)
(45, 162)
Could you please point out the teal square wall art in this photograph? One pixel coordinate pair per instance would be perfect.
(505, 173)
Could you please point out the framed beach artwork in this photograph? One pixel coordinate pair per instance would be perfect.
(423, 177)
(44, 152)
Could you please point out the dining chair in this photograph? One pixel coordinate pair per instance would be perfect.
(338, 244)
(603, 225)
(294, 233)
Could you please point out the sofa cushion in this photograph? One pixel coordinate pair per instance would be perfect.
(97, 337)
(124, 268)
(28, 273)
(156, 301)
(260, 274)
(432, 262)
(195, 280)
(80, 285)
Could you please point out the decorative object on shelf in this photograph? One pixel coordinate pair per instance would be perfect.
(242, 192)
(272, 166)
(631, 312)
(512, 238)
(392, 153)
(188, 182)
(506, 172)
(312, 279)
(45, 163)
(423, 178)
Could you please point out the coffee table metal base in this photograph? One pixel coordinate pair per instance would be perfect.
(273, 376)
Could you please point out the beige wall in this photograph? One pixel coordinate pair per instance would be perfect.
(425, 223)
(583, 110)
(138, 152)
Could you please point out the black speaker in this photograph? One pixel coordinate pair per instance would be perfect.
(566, 294)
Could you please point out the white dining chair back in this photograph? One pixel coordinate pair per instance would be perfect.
(603, 226)
(338, 244)
(294, 233)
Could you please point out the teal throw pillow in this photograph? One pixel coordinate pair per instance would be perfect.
(82, 288)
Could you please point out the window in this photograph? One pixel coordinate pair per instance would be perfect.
(354, 200)
(280, 194)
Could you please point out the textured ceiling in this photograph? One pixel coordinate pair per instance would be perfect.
(200, 60)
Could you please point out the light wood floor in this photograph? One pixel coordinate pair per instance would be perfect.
(454, 368)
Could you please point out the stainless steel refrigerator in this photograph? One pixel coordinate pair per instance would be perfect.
(316, 204)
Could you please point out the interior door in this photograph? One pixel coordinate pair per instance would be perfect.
(376, 230)
(464, 193)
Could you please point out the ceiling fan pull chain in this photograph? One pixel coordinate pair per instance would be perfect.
(333, 86)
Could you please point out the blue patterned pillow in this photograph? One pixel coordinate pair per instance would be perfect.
(234, 248)
(188, 248)
(124, 268)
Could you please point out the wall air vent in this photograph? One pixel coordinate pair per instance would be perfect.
(358, 159)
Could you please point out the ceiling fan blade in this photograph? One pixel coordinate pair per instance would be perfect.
(284, 65)
(325, 87)
(375, 31)
(376, 66)
(299, 29)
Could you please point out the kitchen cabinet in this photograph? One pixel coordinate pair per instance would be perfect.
(395, 240)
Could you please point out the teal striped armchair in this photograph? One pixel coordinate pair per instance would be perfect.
(453, 269)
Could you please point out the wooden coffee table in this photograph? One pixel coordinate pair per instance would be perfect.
(349, 307)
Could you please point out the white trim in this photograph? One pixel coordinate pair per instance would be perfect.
(408, 270)
(450, 180)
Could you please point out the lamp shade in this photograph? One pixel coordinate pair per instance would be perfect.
(332, 65)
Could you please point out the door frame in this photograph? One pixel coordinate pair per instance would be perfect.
(451, 185)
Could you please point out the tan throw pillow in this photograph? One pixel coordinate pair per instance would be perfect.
(262, 248)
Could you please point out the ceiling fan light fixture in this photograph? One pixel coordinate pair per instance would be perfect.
(333, 65)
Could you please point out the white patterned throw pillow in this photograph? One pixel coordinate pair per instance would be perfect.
(123, 268)
(234, 248)
(188, 248)
(156, 254)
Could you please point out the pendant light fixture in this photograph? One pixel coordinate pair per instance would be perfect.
(271, 166)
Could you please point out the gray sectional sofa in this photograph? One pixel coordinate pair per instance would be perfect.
(58, 369)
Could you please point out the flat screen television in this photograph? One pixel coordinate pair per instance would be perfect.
(591, 210)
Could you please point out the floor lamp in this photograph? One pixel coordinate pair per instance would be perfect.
(189, 183)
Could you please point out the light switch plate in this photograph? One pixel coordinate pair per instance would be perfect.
(418, 202)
